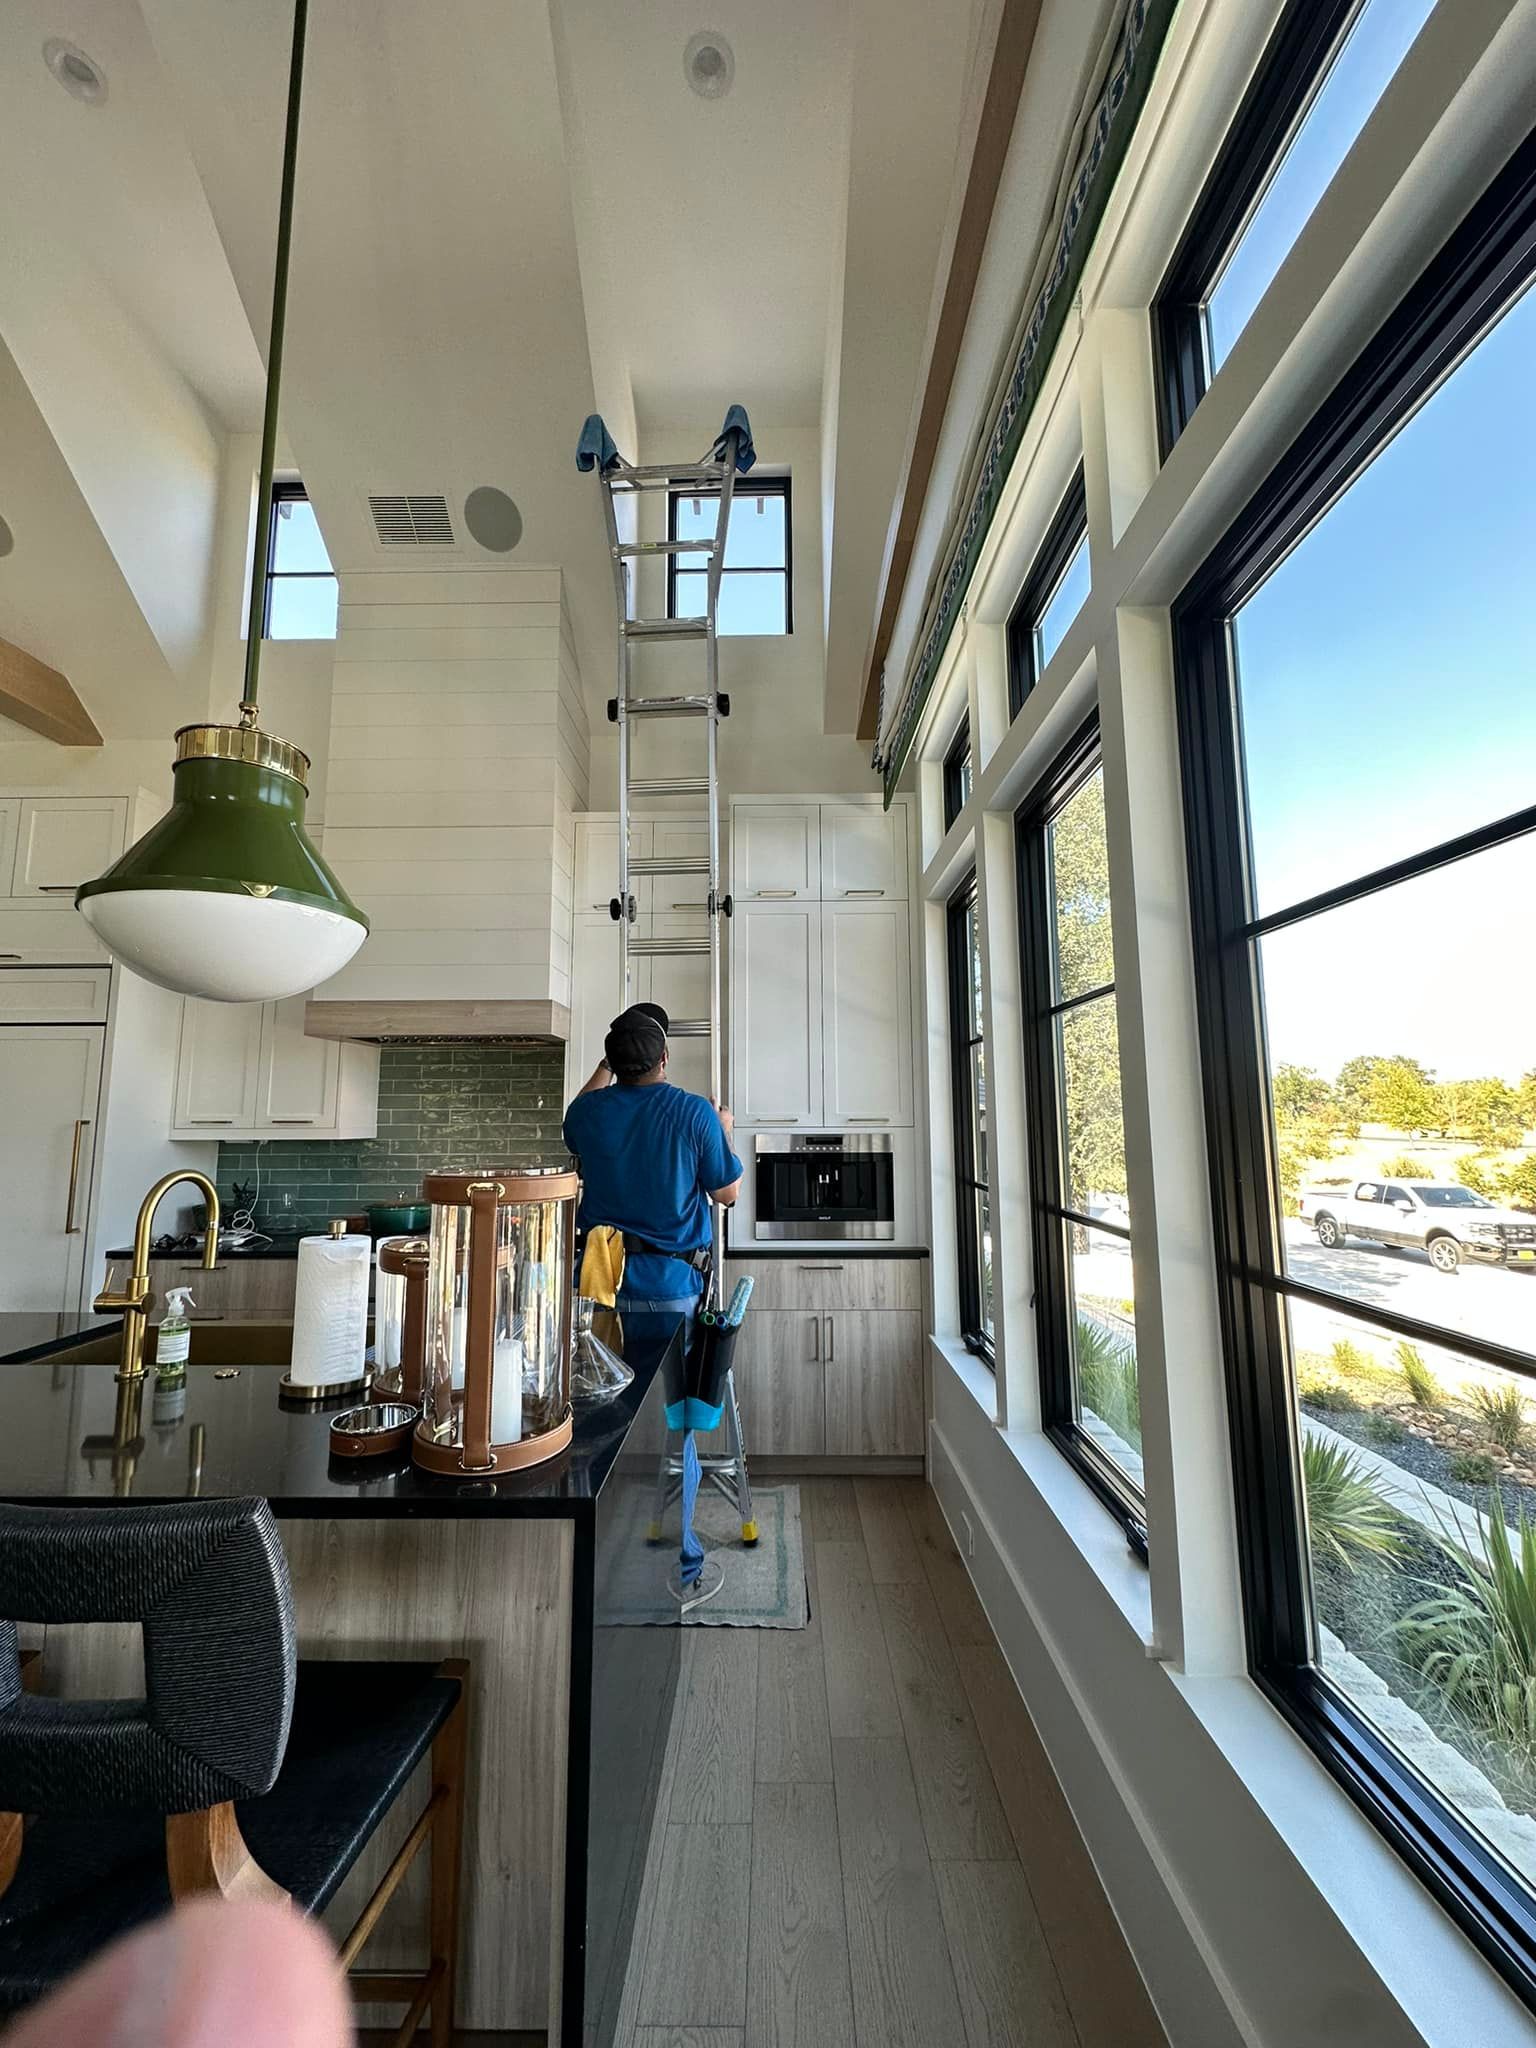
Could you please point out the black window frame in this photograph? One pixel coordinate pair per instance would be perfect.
(745, 487)
(962, 910)
(1290, 74)
(1477, 276)
(286, 491)
(1067, 532)
(1051, 1211)
(957, 766)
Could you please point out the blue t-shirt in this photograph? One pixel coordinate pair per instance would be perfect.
(650, 1159)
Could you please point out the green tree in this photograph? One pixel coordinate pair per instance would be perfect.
(1518, 1183)
(1487, 1110)
(1475, 1170)
(1085, 959)
(1301, 1092)
(1526, 1096)
(1386, 1088)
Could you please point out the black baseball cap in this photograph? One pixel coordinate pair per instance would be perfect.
(636, 1040)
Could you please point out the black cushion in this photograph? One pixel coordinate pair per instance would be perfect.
(358, 1732)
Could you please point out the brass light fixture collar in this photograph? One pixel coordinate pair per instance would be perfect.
(243, 743)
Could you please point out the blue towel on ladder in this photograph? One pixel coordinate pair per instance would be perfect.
(596, 445)
(690, 1558)
(736, 422)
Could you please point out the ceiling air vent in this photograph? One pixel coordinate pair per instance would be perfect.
(412, 521)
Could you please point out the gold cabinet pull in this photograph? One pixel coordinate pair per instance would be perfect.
(70, 1225)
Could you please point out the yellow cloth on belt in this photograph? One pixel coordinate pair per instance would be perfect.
(602, 1265)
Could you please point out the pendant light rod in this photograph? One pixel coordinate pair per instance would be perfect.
(257, 615)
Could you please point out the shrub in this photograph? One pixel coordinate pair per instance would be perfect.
(1348, 1516)
(1423, 1388)
(1383, 1428)
(1477, 1640)
(1502, 1412)
(1518, 1183)
(1473, 1468)
(1106, 1378)
(1348, 1360)
(1403, 1166)
(1475, 1170)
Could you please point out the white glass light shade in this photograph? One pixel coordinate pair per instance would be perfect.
(231, 949)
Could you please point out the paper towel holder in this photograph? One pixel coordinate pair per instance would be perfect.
(305, 1394)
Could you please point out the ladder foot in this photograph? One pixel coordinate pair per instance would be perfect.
(749, 1533)
(653, 1534)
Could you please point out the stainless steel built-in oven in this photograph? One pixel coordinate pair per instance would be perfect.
(815, 1184)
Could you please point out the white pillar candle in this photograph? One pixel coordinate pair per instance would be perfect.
(507, 1391)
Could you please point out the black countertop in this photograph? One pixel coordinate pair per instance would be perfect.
(281, 1245)
(36, 1333)
(862, 1248)
(57, 1444)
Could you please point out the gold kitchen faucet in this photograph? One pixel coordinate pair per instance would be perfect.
(135, 1300)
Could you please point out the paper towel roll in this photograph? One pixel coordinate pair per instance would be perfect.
(330, 1310)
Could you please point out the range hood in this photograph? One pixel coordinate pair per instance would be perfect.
(458, 759)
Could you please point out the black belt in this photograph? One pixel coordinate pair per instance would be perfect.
(701, 1258)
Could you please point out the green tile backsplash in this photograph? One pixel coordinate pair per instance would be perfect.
(453, 1107)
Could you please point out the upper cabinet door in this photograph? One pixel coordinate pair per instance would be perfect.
(595, 995)
(682, 839)
(217, 1067)
(777, 852)
(299, 1076)
(64, 841)
(597, 863)
(680, 983)
(863, 851)
(10, 821)
(867, 1005)
(776, 1007)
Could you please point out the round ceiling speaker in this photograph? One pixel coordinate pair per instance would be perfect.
(493, 520)
(78, 74)
(7, 539)
(709, 65)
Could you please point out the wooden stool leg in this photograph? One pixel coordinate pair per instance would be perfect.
(448, 1759)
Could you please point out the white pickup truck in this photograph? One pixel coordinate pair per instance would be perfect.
(1442, 1218)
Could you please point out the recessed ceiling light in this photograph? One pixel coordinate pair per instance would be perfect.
(709, 64)
(78, 74)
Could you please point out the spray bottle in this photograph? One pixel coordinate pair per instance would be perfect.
(173, 1339)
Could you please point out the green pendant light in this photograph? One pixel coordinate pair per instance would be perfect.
(226, 897)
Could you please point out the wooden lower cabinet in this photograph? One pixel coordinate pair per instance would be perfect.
(780, 1383)
(874, 1384)
(235, 1287)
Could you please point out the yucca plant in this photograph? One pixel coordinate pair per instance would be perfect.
(1349, 1518)
(1502, 1412)
(1106, 1378)
(1424, 1389)
(1476, 1640)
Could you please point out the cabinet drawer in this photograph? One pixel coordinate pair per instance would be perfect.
(40, 996)
(64, 841)
(44, 936)
(823, 1281)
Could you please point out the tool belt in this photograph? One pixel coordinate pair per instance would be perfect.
(701, 1258)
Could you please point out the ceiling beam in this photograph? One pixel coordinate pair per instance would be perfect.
(994, 132)
(42, 700)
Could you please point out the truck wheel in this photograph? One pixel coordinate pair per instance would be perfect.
(1444, 1254)
(1329, 1235)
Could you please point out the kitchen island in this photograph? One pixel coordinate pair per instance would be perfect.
(515, 1574)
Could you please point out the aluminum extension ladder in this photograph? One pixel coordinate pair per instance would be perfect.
(621, 479)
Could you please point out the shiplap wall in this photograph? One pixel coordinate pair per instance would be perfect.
(458, 754)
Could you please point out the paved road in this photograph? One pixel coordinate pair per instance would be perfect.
(1484, 1301)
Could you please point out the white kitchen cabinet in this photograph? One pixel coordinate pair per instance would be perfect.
(597, 861)
(298, 1078)
(776, 852)
(10, 827)
(680, 983)
(863, 852)
(218, 1067)
(776, 1012)
(31, 995)
(64, 841)
(866, 996)
(50, 1082)
(247, 1070)
(594, 993)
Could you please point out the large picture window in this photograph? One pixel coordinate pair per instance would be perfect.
(1084, 1293)
(1358, 708)
(969, 1055)
(1327, 65)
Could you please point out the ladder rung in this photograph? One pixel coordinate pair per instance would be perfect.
(667, 707)
(665, 629)
(665, 547)
(688, 1027)
(640, 948)
(669, 785)
(666, 473)
(698, 865)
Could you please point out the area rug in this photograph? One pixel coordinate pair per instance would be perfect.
(764, 1585)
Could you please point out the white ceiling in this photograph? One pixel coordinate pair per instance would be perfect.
(509, 212)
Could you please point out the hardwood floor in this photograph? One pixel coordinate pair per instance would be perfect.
(864, 1845)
